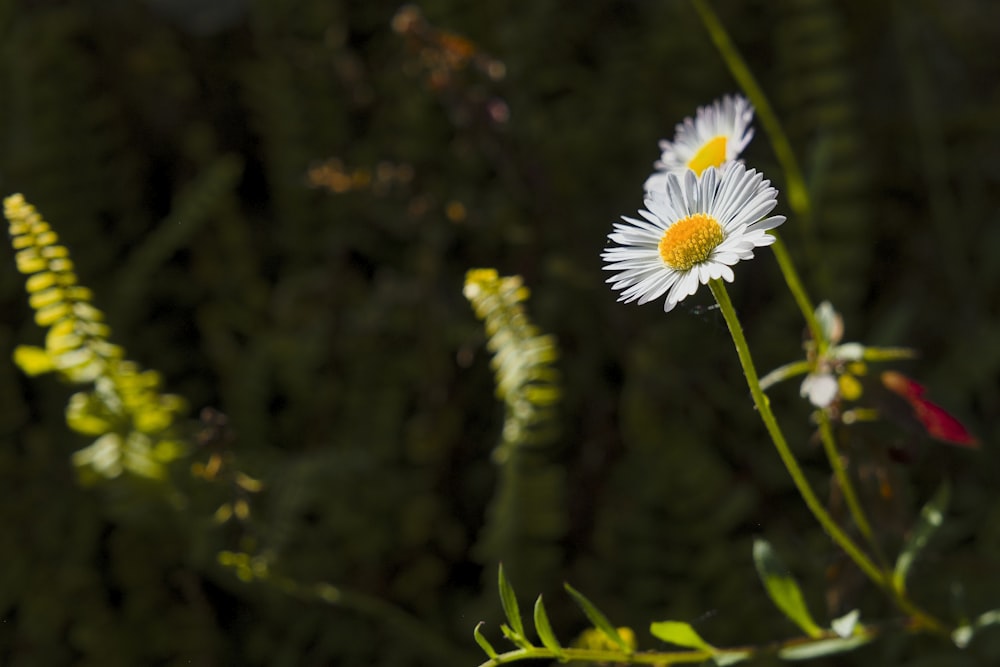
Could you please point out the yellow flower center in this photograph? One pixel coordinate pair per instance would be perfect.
(689, 241)
(712, 154)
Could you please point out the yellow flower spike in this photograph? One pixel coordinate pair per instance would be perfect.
(124, 408)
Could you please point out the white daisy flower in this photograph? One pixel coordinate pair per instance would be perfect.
(692, 232)
(717, 135)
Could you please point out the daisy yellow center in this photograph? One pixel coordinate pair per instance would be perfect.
(690, 241)
(712, 154)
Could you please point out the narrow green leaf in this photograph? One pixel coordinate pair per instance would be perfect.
(991, 617)
(931, 518)
(888, 353)
(782, 588)
(785, 372)
(544, 629)
(483, 642)
(509, 601)
(599, 620)
(810, 650)
(681, 634)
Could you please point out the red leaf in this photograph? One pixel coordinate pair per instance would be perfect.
(936, 421)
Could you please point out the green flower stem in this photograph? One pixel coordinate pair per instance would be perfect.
(795, 185)
(847, 487)
(799, 293)
(729, 655)
(609, 657)
(798, 194)
(840, 473)
(791, 464)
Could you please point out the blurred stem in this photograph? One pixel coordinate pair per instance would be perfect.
(796, 190)
(777, 437)
(844, 481)
(799, 293)
(606, 657)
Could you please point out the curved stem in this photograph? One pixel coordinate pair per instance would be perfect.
(795, 286)
(791, 464)
(843, 480)
(601, 656)
(797, 192)
(729, 655)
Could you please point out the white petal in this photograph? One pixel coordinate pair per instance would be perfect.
(657, 181)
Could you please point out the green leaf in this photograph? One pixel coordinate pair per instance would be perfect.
(782, 588)
(509, 601)
(888, 353)
(599, 620)
(785, 372)
(810, 650)
(931, 518)
(544, 629)
(681, 634)
(483, 642)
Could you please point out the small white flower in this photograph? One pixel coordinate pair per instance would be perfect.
(692, 231)
(820, 388)
(716, 135)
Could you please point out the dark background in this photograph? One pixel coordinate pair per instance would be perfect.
(322, 312)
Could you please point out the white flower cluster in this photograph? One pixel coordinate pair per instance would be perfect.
(704, 211)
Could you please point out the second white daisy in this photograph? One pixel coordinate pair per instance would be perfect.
(693, 231)
(716, 135)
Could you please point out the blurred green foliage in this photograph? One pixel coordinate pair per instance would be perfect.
(275, 204)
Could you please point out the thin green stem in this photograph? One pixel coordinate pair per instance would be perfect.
(843, 480)
(729, 655)
(795, 286)
(798, 194)
(795, 185)
(791, 464)
(601, 656)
